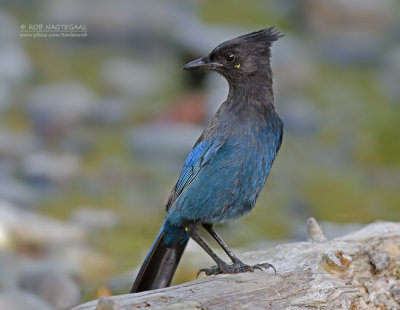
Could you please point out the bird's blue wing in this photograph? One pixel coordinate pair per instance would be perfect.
(200, 155)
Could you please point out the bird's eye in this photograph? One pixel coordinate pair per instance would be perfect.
(229, 57)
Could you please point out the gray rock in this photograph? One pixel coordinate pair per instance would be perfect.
(7, 168)
(298, 114)
(15, 65)
(15, 68)
(8, 29)
(25, 227)
(20, 300)
(345, 32)
(9, 266)
(121, 18)
(51, 168)
(77, 141)
(56, 259)
(95, 219)
(197, 37)
(138, 23)
(17, 192)
(82, 262)
(16, 144)
(350, 47)
(163, 142)
(55, 107)
(133, 79)
(53, 286)
(294, 71)
(344, 15)
(110, 111)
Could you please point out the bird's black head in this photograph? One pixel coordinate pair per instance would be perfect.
(240, 58)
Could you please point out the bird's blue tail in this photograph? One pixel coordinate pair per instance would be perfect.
(159, 266)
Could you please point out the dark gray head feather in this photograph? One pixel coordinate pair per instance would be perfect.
(250, 54)
(267, 35)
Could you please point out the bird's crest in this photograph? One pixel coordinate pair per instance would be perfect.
(267, 35)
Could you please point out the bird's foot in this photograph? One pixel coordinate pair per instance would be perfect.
(235, 268)
(266, 266)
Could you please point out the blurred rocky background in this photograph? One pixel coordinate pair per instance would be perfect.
(94, 131)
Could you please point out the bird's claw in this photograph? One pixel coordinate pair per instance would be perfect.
(209, 271)
(235, 268)
(266, 266)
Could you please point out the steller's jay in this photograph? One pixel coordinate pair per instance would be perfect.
(229, 164)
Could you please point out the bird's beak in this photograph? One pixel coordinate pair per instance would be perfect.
(202, 64)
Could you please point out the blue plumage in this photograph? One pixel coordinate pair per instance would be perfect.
(229, 164)
(200, 156)
(222, 178)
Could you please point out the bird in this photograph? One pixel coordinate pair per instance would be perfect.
(228, 166)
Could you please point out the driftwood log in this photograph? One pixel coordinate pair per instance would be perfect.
(360, 270)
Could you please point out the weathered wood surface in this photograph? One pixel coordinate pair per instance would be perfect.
(357, 271)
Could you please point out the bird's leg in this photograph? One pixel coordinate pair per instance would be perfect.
(236, 261)
(221, 267)
(222, 243)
